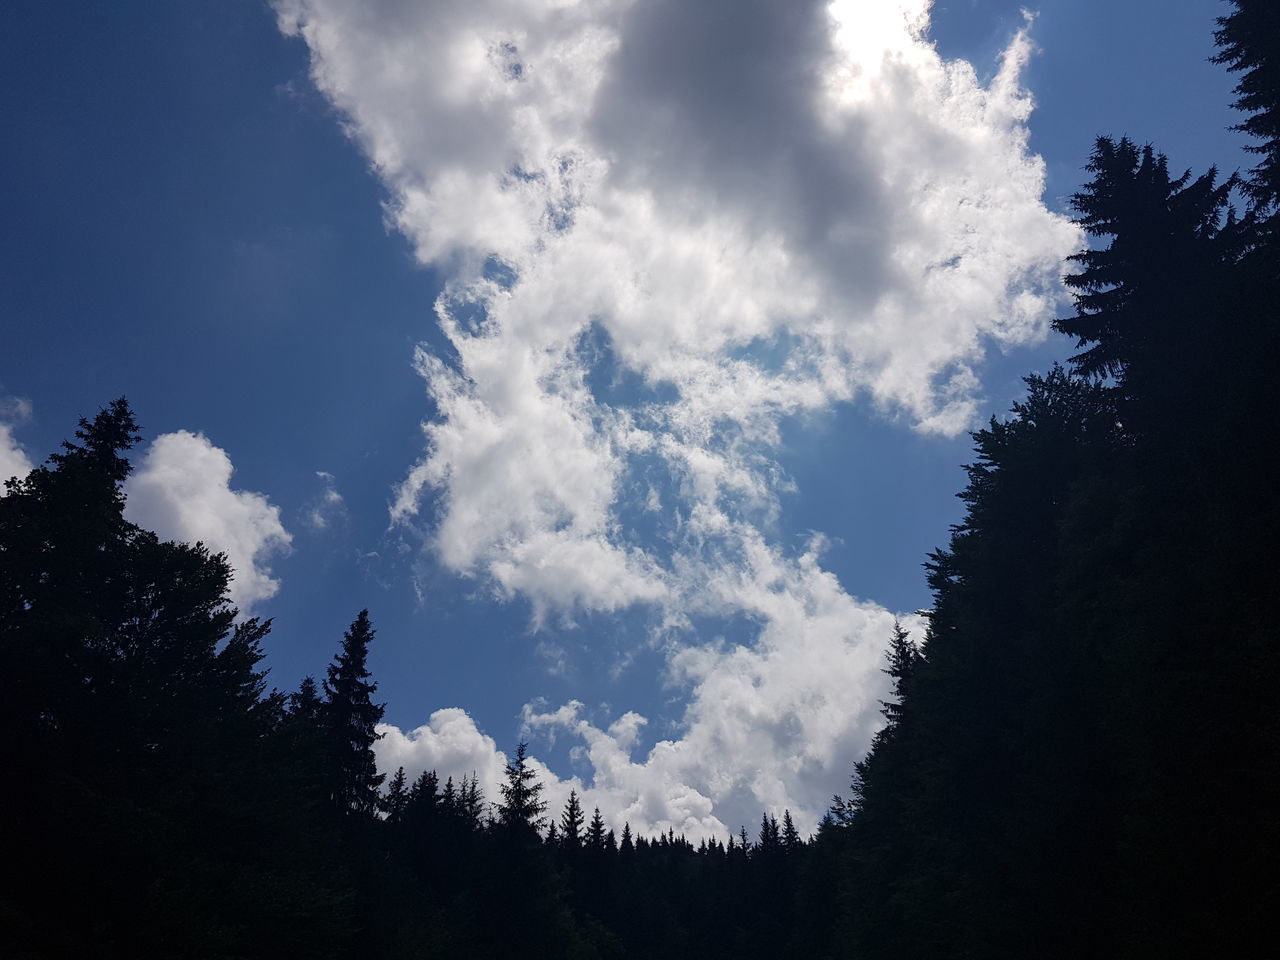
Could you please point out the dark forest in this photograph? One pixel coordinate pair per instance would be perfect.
(1080, 757)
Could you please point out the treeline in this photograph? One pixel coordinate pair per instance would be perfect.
(1082, 759)
(1079, 758)
(160, 801)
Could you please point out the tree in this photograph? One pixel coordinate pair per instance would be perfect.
(471, 802)
(397, 797)
(142, 757)
(596, 832)
(770, 839)
(521, 807)
(903, 657)
(791, 841)
(571, 822)
(351, 718)
(1141, 301)
(1249, 39)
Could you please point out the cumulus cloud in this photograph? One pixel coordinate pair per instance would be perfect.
(182, 490)
(449, 743)
(772, 726)
(668, 228)
(14, 462)
(759, 209)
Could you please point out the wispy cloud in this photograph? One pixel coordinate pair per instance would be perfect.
(327, 507)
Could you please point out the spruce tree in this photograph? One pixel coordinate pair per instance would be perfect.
(791, 841)
(397, 797)
(1249, 42)
(351, 718)
(521, 807)
(571, 822)
(596, 832)
(143, 752)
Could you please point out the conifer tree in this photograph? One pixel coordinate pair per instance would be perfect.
(141, 748)
(571, 822)
(1249, 42)
(351, 718)
(471, 801)
(305, 704)
(791, 841)
(903, 658)
(521, 807)
(770, 840)
(397, 797)
(596, 831)
(449, 798)
(1139, 299)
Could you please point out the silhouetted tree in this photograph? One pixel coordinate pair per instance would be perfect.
(571, 822)
(1249, 42)
(397, 797)
(521, 807)
(352, 718)
(791, 841)
(596, 831)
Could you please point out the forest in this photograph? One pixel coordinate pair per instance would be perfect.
(1080, 757)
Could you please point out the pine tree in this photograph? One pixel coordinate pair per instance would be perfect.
(1249, 39)
(449, 798)
(471, 802)
(521, 807)
(352, 718)
(397, 797)
(1141, 300)
(142, 756)
(305, 704)
(770, 840)
(903, 659)
(571, 822)
(596, 832)
(791, 841)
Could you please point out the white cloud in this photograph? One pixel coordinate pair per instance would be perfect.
(668, 228)
(182, 491)
(14, 461)
(450, 744)
(769, 727)
(762, 210)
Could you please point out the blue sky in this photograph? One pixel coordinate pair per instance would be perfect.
(727, 289)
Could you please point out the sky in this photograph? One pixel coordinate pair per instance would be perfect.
(618, 355)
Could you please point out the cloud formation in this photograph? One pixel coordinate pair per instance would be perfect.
(771, 726)
(182, 491)
(668, 228)
(756, 209)
(14, 462)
